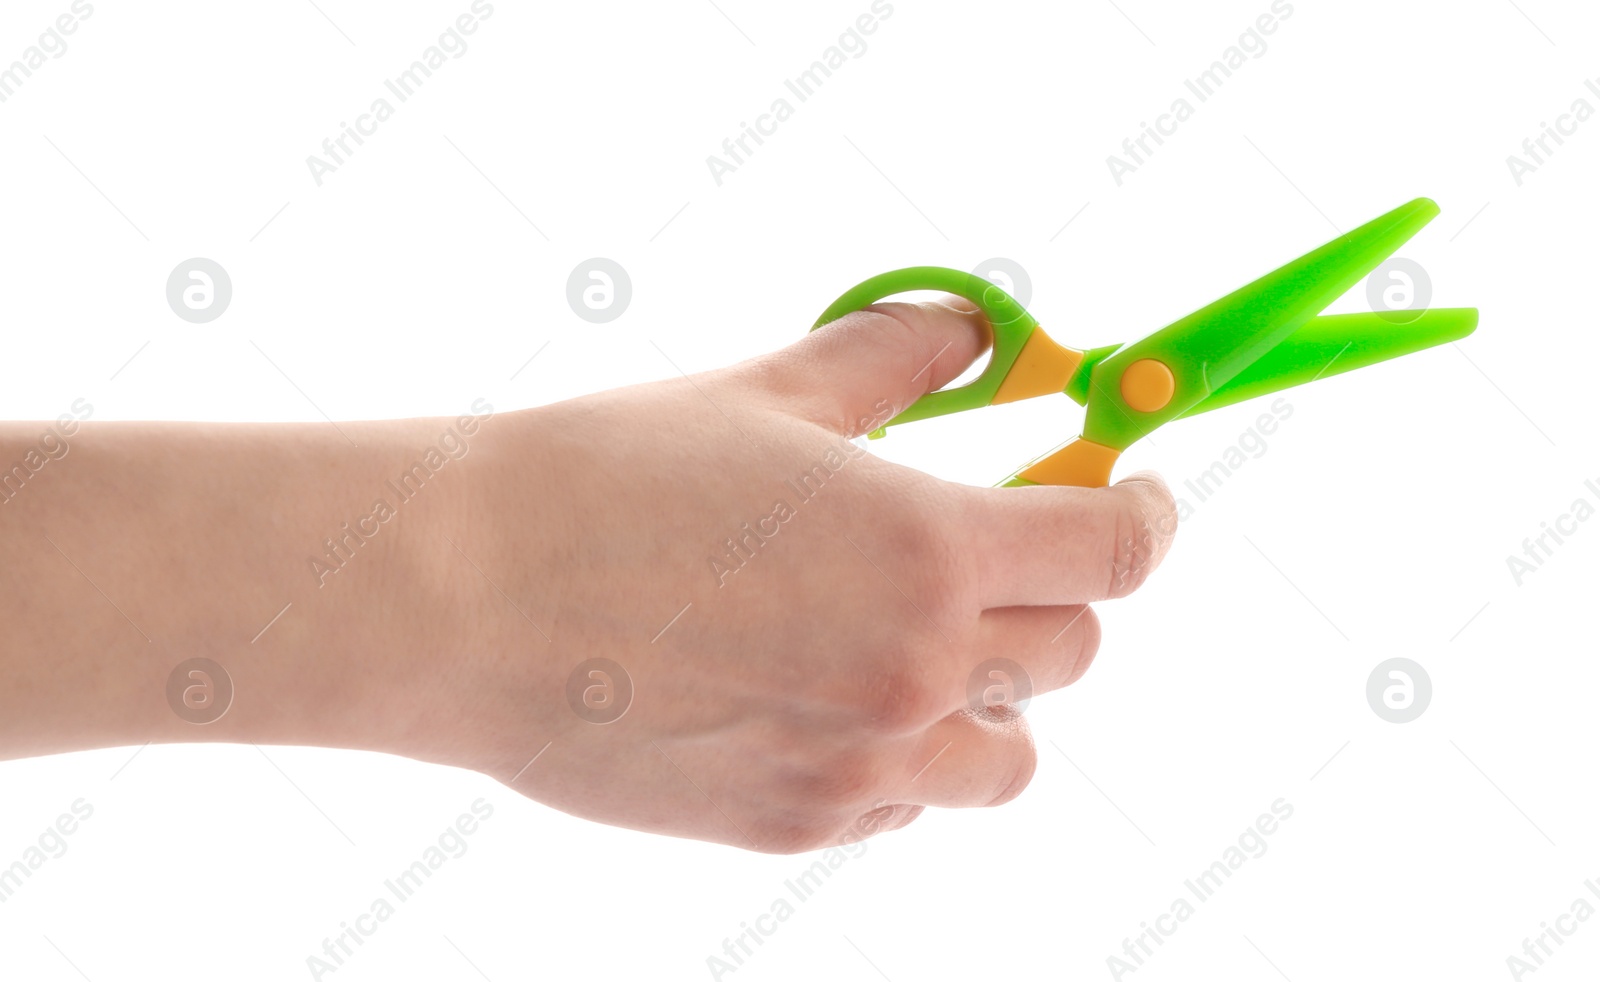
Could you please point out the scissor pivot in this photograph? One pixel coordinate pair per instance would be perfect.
(1147, 385)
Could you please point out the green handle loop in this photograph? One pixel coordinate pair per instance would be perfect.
(1012, 326)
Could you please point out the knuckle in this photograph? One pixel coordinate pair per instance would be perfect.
(787, 835)
(903, 815)
(936, 549)
(846, 782)
(902, 699)
(783, 376)
(881, 818)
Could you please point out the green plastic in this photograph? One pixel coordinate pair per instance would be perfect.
(1011, 324)
(1261, 338)
(1206, 349)
(1335, 343)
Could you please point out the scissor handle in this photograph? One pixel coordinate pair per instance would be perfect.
(1012, 326)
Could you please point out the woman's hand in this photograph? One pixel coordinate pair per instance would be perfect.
(721, 619)
(692, 607)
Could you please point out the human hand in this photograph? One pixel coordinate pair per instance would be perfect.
(796, 630)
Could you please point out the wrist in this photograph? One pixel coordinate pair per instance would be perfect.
(378, 657)
(252, 546)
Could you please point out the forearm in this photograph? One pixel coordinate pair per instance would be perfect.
(678, 607)
(140, 546)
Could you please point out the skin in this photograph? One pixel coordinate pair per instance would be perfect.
(814, 690)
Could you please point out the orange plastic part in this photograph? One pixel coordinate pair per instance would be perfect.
(1081, 463)
(1042, 367)
(1148, 385)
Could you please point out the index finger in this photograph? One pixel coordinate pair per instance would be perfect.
(1066, 545)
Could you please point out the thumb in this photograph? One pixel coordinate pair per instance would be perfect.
(868, 366)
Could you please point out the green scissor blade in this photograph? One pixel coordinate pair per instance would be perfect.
(1337, 343)
(1209, 347)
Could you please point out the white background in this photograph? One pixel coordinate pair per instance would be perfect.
(1377, 523)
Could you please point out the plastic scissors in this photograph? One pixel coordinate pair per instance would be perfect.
(1265, 336)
